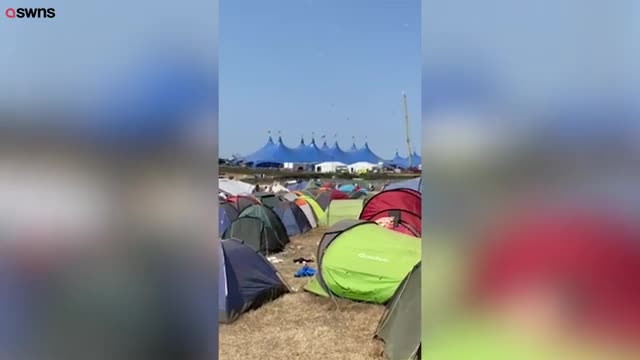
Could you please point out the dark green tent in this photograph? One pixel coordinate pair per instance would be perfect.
(399, 327)
(259, 227)
(269, 199)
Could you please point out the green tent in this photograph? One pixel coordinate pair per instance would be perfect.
(259, 227)
(399, 327)
(269, 199)
(362, 261)
(317, 210)
(343, 210)
(480, 338)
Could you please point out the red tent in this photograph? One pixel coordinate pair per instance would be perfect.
(338, 195)
(590, 257)
(396, 209)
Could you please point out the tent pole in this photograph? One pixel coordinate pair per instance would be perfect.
(406, 120)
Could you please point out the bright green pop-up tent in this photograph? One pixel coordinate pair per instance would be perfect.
(339, 210)
(363, 261)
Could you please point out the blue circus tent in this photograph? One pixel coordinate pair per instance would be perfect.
(338, 154)
(403, 162)
(313, 154)
(262, 155)
(417, 159)
(272, 155)
(300, 152)
(325, 147)
(364, 154)
(350, 156)
(301, 146)
(397, 160)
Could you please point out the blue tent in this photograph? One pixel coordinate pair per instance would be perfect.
(325, 147)
(414, 184)
(247, 280)
(347, 188)
(401, 162)
(297, 186)
(397, 161)
(293, 218)
(301, 147)
(226, 214)
(272, 155)
(313, 154)
(364, 154)
(262, 154)
(417, 159)
(338, 154)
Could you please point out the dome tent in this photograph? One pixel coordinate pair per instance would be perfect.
(397, 209)
(399, 327)
(362, 261)
(259, 227)
(241, 202)
(247, 280)
(413, 184)
(293, 218)
(308, 212)
(347, 209)
(226, 214)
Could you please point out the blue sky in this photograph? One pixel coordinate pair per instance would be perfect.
(534, 54)
(305, 66)
(68, 61)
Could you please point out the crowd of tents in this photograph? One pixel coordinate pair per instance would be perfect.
(370, 252)
(274, 154)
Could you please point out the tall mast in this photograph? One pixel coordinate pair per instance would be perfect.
(406, 123)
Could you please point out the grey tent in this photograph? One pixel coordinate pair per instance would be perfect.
(259, 227)
(399, 327)
(226, 214)
(413, 184)
(289, 196)
(293, 218)
(247, 281)
(323, 199)
(269, 199)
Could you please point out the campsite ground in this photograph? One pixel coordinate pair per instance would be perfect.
(301, 325)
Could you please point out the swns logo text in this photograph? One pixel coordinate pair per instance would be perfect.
(30, 13)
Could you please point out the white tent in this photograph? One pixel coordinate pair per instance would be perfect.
(235, 187)
(362, 166)
(330, 167)
(277, 188)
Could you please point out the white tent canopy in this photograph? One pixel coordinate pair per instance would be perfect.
(235, 187)
(362, 166)
(330, 166)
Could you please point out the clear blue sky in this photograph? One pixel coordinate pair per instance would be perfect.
(536, 53)
(68, 60)
(303, 66)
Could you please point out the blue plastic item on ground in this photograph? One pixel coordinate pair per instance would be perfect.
(305, 271)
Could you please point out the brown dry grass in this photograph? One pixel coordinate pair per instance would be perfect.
(301, 325)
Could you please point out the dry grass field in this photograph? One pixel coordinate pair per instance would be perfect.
(301, 325)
